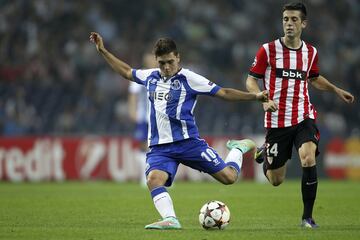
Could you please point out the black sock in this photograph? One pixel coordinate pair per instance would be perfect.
(308, 189)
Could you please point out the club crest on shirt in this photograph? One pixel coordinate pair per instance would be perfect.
(175, 85)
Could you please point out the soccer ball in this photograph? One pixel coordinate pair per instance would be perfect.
(214, 215)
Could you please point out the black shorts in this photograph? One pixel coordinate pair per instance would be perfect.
(279, 141)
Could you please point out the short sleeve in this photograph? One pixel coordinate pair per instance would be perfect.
(314, 70)
(201, 85)
(134, 87)
(260, 64)
(140, 75)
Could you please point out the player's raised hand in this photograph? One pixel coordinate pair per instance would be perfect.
(345, 96)
(97, 40)
(262, 96)
(270, 106)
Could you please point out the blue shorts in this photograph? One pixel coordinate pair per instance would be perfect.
(141, 131)
(194, 153)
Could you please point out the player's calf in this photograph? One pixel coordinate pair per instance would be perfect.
(276, 176)
(227, 176)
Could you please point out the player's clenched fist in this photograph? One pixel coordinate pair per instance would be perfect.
(263, 96)
(97, 40)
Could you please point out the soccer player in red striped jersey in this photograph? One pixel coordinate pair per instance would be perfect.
(286, 66)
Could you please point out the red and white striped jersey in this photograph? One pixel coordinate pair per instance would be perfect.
(285, 73)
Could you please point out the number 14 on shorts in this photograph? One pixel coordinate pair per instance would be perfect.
(271, 152)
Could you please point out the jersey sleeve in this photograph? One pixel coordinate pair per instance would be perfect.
(140, 75)
(314, 70)
(134, 87)
(201, 85)
(260, 64)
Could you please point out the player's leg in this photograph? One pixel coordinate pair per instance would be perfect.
(199, 155)
(234, 160)
(306, 143)
(276, 153)
(276, 176)
(227, 175)
(160, 173)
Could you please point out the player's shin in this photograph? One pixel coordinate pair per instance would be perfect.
(163, 202)
(234, 159)
(308, 188)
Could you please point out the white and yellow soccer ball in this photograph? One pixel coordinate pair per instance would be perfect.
(214, 215)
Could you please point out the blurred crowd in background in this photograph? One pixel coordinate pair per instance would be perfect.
(52, 80)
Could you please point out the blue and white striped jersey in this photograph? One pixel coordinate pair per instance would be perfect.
(172, 102)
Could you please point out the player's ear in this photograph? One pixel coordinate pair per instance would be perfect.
(303, 24)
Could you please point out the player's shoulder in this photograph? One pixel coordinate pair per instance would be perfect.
(265, 45)
(148, 71)
(186, 72)
(264, 48)
(189, 74)
(309, 45)
(153, 71)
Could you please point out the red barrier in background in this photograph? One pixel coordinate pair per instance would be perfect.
(342, 158)
(84, 158)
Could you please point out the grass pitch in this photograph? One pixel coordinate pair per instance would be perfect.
(107, 210)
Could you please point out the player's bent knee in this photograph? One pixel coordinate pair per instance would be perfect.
(228, 180)
(307, 160)
(229, 177)
(276, 181)
(226, 176)
(155, 179)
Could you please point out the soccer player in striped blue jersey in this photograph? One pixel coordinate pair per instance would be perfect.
(173, 136)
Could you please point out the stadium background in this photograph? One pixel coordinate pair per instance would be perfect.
(55, 88)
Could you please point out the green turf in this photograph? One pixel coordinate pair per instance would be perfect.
(106, 210)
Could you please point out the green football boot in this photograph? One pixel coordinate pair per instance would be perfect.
(169, 223)
(244, 145)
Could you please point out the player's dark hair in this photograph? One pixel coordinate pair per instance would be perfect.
(165, 46)
(298, 6)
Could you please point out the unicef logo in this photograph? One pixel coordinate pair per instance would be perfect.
(175, 85)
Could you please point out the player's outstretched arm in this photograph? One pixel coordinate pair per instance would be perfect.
(253, 87)
(323, 84)
(119, 66)
(231, 94)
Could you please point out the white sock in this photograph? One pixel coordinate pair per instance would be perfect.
(235, 157)
(164, 205)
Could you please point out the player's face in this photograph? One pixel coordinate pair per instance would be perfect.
(168, 64)
(292, 23)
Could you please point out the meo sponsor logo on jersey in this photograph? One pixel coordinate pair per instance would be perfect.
(290, 73)
(160, 96)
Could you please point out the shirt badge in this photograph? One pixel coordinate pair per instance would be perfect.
(175, 85)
